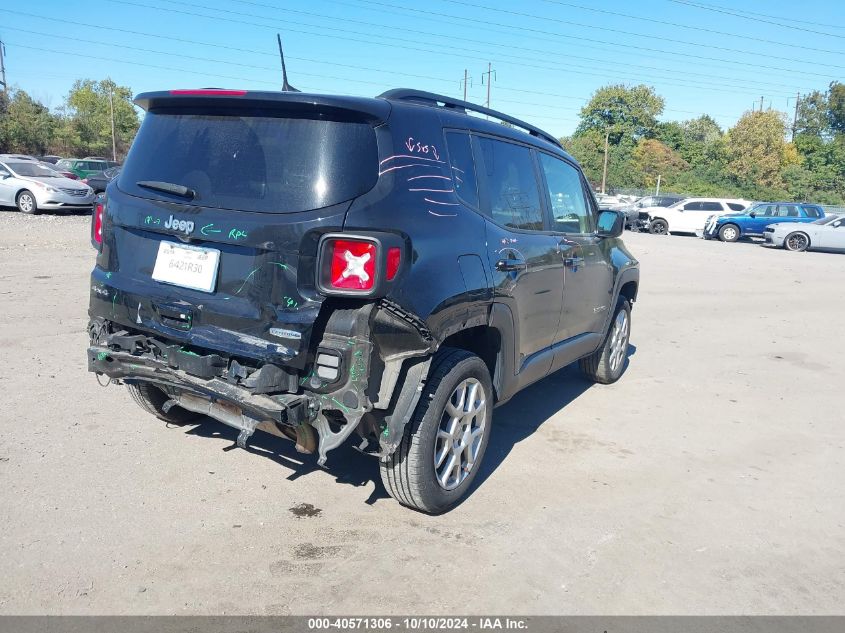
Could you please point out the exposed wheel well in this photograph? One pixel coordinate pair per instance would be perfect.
(483, 341)
(629, 291)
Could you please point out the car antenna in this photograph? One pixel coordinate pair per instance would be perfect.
(286, 87)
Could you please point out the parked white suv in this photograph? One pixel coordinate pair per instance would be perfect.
(690, 215)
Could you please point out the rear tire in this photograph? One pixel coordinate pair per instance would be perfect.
(659, 227)
(607, 364)
(445, 439)
(26, 202)
(797, 242)
(151, 399)
(729, 233)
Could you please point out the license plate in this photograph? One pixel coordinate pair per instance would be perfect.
(187, 266)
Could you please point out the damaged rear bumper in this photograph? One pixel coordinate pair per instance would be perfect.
(237, 406)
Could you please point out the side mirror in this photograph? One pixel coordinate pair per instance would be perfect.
(611, 224)
(4, 175)
(753, 214)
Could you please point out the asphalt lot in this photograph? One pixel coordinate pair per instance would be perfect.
(708, 480)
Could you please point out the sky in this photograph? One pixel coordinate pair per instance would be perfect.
(548, 56)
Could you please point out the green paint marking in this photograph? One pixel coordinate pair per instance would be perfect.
(188, 352)
(237, 234)
(290, 303)
(108, 275)
(102, 355)
(135, 367)
(114, 298)
(385, 432)
(248, 277)
(342, 406)
(207, 229)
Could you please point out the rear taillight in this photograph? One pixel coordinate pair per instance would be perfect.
(353, 264)
(97, 225)
(358, 264)
(85, 180)
(394, 258)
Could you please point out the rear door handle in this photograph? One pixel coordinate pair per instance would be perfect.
(510, 265)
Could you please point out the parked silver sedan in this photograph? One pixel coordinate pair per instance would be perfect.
(32, 188)
(825, 234)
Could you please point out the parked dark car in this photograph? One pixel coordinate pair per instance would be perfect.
(753, 221)
(636, 219)
(101, 179)
(315, 266)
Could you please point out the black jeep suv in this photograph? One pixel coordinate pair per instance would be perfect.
(315, 266)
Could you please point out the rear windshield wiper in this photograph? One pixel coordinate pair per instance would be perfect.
(168, 187)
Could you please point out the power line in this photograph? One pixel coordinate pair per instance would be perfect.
(776, 17)
(662, 52)
(590, 71)
(488, 43)
(582, 25)
(715, 9)
(679, 25)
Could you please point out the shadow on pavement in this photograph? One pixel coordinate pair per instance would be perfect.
(512, 423)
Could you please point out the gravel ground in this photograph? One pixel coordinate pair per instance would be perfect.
(708, 480)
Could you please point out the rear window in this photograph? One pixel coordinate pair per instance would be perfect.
(253, 163)
(735, 206)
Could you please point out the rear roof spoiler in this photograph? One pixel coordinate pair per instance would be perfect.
(374, 110)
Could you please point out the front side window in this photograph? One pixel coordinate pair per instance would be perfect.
(463, 167)
(570, 211)
(511, 185)
(692, 206)
(711, 206)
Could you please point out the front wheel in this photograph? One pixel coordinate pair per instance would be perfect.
(607, 364)
(658, 227)
(26, 202)
(444, 441)
(797, 242)
(729, 233)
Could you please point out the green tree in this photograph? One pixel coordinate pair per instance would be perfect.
(26, 126)
(812, 116)
(757, 151)
(651, 159)
(836, 107)
(622, 111)
(88, 111)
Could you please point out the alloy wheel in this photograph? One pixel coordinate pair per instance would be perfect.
(619, 340)
(460, 434)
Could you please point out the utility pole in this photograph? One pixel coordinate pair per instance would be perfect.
(657, 192)
(491, 74)
(795, 116)
(761, 103)
(111, 109)
(604, 169)
(466, 80)
(3, 68)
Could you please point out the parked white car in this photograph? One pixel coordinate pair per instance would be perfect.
(690, 214)
(32, 187)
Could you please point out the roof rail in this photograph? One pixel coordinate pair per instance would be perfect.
(430, 98)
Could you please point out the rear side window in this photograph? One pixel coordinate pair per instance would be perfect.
(570, 213)
(253, 163)
(813, 212)
(463, 167)
(511, 185)
(735, 206)
(711, 206)
(788, 211)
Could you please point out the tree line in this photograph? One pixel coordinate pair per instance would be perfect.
(753, 159)
(81, 126)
